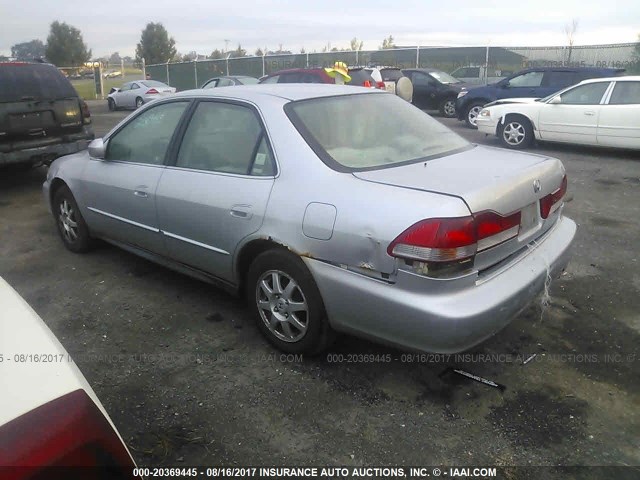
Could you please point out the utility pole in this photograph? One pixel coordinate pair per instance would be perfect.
(226, 45)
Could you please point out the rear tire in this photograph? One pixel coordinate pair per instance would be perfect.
(112, 105)
(71, 226)
(287, 304)
(516, 132)
(139, 102)
(448, 108)
(472, 114)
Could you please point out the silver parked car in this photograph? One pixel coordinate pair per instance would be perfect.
(135, 94)
(230, 81)
(325, 214)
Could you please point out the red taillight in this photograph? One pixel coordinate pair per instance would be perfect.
(548, 202)
(86, 114)
(69, 431)
(453, 239)
(152, 91)
(381, 85)
(366, 83)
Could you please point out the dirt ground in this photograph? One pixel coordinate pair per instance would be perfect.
(188, 380)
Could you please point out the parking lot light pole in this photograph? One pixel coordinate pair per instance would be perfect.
(195, 69)
(227, 60)
(418, 56)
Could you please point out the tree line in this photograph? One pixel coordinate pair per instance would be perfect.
(65, 47)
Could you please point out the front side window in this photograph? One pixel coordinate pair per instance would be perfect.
(222, 137)
(589, 94)
(125, 87)
(529, 79)
(225, 82)
(625, 93)
(145, 139)
(273, 79)
(420, 80)
(348, 133)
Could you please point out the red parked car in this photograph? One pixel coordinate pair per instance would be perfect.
(359, 77)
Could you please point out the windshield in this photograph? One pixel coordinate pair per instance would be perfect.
(443, 77)
(369, 131)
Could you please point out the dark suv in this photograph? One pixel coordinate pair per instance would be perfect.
(532, 82)
(435, 90)
(41, 115)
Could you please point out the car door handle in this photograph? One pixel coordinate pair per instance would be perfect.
(140, 193)
(241, 211)
(590, 114)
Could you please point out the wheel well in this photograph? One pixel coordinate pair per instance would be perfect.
(248, 254)
(515, 115)
(56, 184)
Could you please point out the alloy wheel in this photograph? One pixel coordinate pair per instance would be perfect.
(473, 114)
(68, 223)
(282, 305)
(449, 108)
(514, 133)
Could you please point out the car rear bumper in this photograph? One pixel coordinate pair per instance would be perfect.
(48, 149)
(405, 315)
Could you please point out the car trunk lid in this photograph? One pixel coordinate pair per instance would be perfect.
(486, 179)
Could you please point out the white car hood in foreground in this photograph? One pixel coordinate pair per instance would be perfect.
(24, 382)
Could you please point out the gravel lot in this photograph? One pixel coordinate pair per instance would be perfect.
(188, 379)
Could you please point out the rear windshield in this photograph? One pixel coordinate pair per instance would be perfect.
(153, 83)
(359, 76)
(370, 131)
(20, 82)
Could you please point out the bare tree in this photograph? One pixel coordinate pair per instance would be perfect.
(570, 31)
(356, 45)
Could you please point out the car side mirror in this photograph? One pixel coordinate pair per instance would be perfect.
(97, 148)
(505, 85)
(556, 100)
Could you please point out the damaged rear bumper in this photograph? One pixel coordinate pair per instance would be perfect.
(408, 315)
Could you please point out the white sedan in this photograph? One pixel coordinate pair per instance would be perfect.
(603, 112)
(49, 415)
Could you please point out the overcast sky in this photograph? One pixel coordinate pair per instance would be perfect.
(203, 25)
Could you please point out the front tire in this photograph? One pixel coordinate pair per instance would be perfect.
(448, 108)
(139, 102)
(287, 304)
(472, 114)
(112, 105)
(516, 132)
(71, 226)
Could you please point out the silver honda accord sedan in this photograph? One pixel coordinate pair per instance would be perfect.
(330, 208)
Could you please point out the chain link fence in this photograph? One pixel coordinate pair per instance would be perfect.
(493, 61)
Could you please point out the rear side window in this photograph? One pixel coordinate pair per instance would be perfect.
(558, 79)
(223, 137)
(290, 78)
(273, 79)
(589, 94)
(19, 82)
(391, 74)
(625, 93)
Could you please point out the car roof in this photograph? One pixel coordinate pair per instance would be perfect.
(424, 69)
(296, 70)
(626, 78)
(287, 91)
